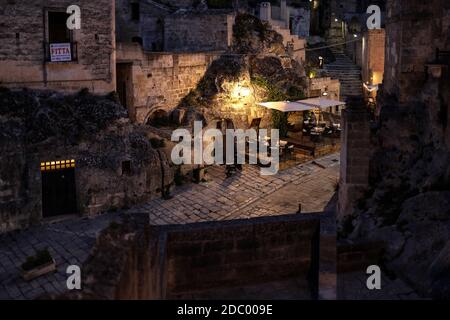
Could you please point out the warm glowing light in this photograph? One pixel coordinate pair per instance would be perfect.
(370, 88)
(241, 91)
(57, 165)
(355, 35)
(377, 77)
(312, 75)
(244, 92)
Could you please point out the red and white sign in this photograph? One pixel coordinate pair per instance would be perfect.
(60, 52)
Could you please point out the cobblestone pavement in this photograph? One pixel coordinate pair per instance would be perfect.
(69, 243)
(248, 194)
(245, 195)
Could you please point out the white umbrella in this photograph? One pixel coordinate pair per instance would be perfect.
(301, 105)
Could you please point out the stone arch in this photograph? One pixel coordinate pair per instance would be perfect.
(157, 117)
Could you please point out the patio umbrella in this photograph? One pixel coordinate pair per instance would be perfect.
(302, 105)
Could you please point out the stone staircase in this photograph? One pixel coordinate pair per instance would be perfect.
(348, 74)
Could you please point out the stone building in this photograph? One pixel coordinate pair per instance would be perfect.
(325, 87)
(38, 51)
(412, 44)
(141, 22)
(152, 84)
(193, 31)
(344, 18)
(169, 26)
(291, 23)
(372, 61)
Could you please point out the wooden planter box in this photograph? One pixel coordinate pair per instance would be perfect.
(39, 271)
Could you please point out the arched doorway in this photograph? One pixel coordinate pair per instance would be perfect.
(158, 118)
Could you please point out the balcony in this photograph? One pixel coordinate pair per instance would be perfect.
(61, 52)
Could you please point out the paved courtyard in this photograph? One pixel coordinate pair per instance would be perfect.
(244, 195)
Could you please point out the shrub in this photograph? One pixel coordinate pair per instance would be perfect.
(196, 175)
(41, 258)
(178, 178)
(280, 122)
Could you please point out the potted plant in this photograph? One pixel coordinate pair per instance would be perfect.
(199, 174)
(38, 265)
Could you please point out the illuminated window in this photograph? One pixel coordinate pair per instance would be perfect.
(57, 165)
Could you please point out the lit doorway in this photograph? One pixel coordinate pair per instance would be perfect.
(58, 188)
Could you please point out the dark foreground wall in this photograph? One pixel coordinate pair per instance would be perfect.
(235, 253)
(171, 262)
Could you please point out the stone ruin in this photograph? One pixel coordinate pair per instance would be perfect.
(43, 126)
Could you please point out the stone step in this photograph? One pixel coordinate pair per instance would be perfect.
(347, 72)
(345, 75)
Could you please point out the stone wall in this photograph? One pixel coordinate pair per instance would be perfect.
(174, 262)
(194, 31)
(100, 184)
(325, 84)
(372, 62)
(149, 28)
(125, 264)
(22, 54)
(373, 56)
(301, 21)
(240, 253)
(161, 80)
(415, 29)
(355, 155)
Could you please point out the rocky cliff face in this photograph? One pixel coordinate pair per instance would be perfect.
(408, 202)
(258, 69)
(38, 126)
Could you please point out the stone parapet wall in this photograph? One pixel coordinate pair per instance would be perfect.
(239, 253)
(355, 156)
(171, 262)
